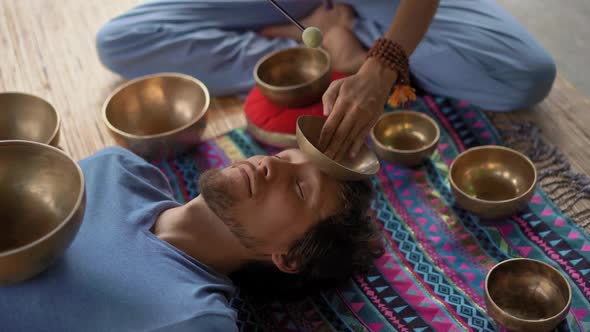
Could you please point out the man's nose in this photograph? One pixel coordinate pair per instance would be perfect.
(265, 167)
(269, 167)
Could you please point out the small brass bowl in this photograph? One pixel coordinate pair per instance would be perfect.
(525, 295)
(405, 138)
(157, 116)
(294, 77)
(492, 181)
(363, 166)
(27, 117)
(42, 199)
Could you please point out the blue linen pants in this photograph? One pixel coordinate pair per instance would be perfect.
(474, 50)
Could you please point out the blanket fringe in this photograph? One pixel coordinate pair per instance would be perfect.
(564, 186)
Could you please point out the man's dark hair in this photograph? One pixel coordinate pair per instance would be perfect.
(328, 253)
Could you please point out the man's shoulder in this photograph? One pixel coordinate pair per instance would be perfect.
(115, 153)
(116, 160)
(120, 166)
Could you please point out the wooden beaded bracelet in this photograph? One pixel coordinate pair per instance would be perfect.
(392, 55)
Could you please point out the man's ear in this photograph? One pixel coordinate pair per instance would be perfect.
(280, 261)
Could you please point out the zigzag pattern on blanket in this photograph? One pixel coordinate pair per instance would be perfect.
(437, 254)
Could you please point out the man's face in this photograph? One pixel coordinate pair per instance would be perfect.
(271, 201)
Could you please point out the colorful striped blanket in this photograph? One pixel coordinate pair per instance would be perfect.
(437, 254)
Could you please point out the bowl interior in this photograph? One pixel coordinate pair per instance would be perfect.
(26, 117)
(310, 127)
(40, 188)
(405, 131)
(293, 67)
(527, 289)
(493, 173)
(157, 105)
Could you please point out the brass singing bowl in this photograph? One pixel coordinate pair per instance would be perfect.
(157, 116)
(27, 117)
(405, 138)
(492, 181)
(363, 166)
(525, 295)
(42, 200)
(294, 77)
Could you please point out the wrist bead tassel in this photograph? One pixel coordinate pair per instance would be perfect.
(401, 94)
(393, 56)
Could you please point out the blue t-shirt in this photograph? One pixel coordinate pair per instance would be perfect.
(117, 275)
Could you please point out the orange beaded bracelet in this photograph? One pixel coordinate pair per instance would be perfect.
(393, 56)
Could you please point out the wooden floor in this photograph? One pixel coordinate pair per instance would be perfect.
(564, 118)
(47, 49)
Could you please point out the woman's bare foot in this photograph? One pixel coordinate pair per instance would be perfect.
(346, 51)
(342, 15)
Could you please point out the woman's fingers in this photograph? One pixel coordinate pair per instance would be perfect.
(330, 96)
(341, 111)
(353, 105)
(360, 140)
(351, 135)
(331, 125)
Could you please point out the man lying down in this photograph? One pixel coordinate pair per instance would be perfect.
(143, 262)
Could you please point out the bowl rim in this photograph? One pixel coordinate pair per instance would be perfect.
(413, 151)
(53, 109)
(77, 205)
(125, 134)
(300, 135)
(498, 147)
(295, 86)
(489, 297)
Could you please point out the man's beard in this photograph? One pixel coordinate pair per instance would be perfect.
(215, 188)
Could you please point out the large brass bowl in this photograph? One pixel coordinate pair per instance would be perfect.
(42, 199)
(157, 116)
(27, 117)
(363, 166)
(492, 181)
(405, 138)
(294, 77)
(526, 295)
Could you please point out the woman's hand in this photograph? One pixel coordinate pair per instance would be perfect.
(353, 106)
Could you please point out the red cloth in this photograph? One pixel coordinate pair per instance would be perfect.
(265, 115)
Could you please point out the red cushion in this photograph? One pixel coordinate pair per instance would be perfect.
(265, 115)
